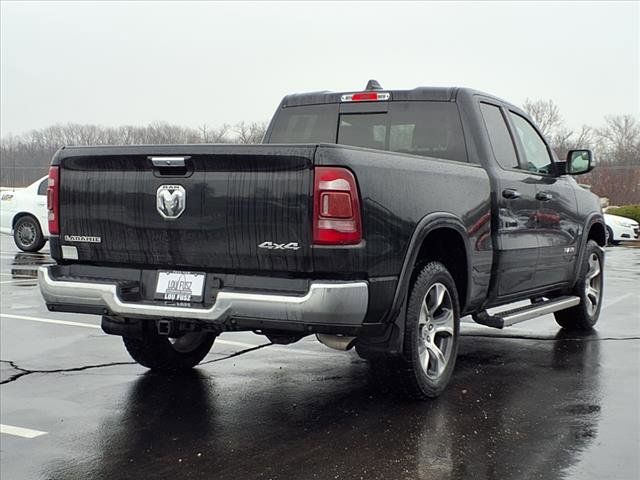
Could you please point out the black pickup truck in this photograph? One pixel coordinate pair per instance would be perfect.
(374, 219)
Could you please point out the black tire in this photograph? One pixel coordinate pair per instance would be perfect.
(584, 316)
(610, 241)
(440, 333)
(27, 234)
(158, 352)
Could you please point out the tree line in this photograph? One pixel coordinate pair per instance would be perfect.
(616, 144)
(25, 158)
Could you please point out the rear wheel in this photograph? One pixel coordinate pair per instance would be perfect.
(159, 352)
(589, 288)
(27, 234)
(431, 333)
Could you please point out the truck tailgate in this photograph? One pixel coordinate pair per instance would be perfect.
(235, 199)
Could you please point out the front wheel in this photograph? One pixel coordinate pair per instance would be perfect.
(159, 352)
(431, 333)
(610, 239)
(589, 288)
(27, 234)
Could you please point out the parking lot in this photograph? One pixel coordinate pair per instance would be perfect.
(527, 402)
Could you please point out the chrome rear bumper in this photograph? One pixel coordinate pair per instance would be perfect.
(342, 303)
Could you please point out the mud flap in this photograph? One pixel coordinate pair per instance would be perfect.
(122, 327)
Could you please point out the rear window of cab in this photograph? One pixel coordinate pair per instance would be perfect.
(429, 129)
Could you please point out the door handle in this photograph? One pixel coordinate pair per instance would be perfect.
(510, 193)
(543, 196)
(168, 161)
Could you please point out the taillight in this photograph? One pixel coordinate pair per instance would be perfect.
(336, 207)
(53, 204)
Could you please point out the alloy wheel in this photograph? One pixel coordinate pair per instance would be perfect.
(593, 284)
(435, 331)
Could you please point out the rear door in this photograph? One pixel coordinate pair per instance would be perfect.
(517, 246)
(558, 224)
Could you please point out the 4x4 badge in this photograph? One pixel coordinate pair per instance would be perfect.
(279, 246)
(171, 200)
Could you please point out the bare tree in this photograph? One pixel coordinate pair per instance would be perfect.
(564, 140)
(546, 114)
(584, 138)
(249, 132)
(620, 139)
(214, 135)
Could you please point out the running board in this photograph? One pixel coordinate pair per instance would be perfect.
(521, 314)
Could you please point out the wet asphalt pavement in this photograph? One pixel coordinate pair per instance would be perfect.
(528, 402)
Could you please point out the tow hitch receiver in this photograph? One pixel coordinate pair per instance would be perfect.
(164, 327)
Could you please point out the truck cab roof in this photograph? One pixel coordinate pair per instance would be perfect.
(432, 94)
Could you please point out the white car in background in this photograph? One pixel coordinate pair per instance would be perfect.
(23, 214)
(620, 228)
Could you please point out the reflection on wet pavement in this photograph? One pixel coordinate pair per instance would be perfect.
(25, 266)
(514, 410)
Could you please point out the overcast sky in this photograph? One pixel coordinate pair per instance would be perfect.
(194, 63)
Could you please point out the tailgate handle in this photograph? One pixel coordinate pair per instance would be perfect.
(168, 161)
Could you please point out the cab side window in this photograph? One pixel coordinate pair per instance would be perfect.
(536, 154)
(501, 142)
(42, 188)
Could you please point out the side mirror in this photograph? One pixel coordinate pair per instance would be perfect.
(579, 162)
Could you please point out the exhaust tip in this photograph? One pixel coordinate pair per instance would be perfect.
(337, 342)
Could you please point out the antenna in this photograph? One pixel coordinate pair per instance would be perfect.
(373, 85)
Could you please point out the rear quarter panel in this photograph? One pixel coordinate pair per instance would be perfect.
(397, 191)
